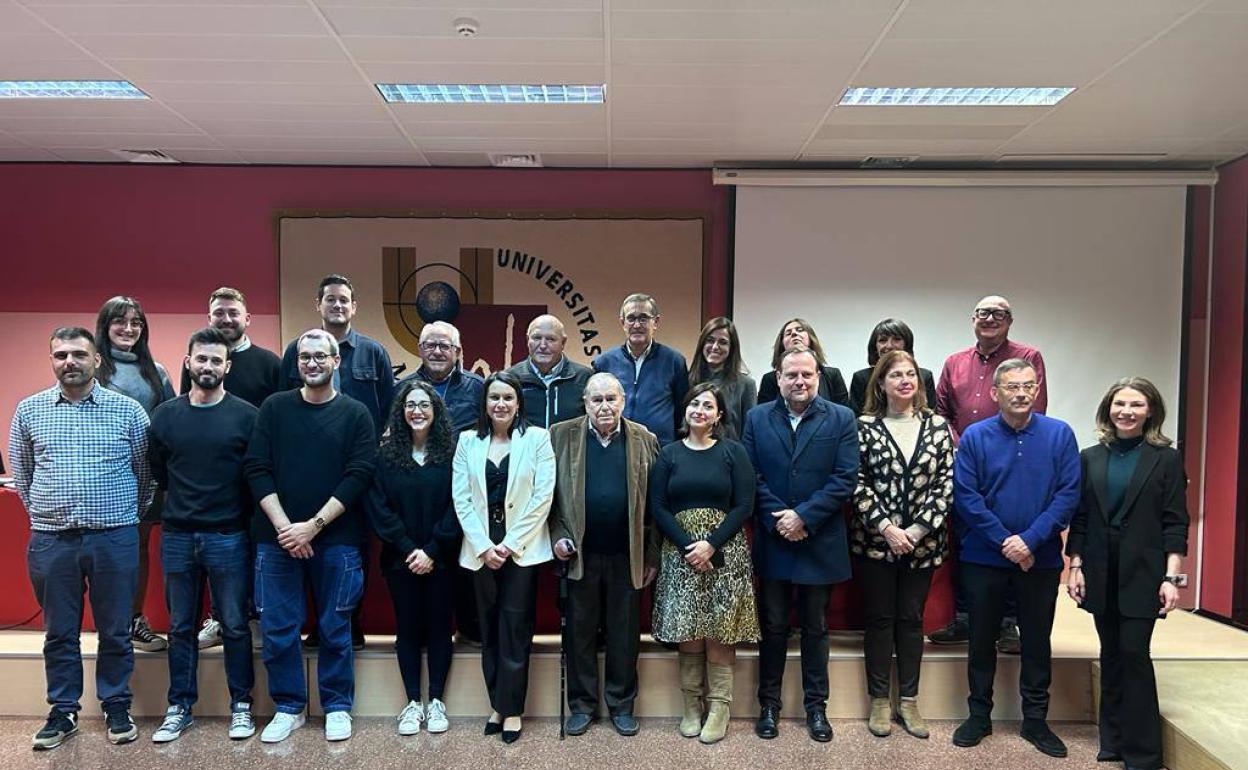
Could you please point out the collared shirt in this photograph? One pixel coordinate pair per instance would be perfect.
(80, 464)
(555, 371)
(795, 419)
(244, 342)
(964, 394)
(606, 442)
(639, 360)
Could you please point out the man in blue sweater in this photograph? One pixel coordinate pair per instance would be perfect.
(1016, 486)
(655, 377)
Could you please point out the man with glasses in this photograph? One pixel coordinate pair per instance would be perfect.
(552, 383)
(964, 397)
(1015, 486)
(655, 377)
(309, 464)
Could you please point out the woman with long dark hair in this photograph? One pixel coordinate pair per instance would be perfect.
(701, 496)
(889, 334)
(798, 331)
(127, 366)
(411, 511)
(717, 360)
(503, 481)
(1126, 546)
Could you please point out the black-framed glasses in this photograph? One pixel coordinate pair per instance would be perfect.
(440, 347)
(638, 318)
(424, 406)
(319, 358)
(995, 313)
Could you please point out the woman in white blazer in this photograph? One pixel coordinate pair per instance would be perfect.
(502, 481)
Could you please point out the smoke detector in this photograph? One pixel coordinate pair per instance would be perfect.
(466, 27)
(516, 159)
(145, 156)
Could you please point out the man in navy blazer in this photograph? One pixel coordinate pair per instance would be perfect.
(805, 451)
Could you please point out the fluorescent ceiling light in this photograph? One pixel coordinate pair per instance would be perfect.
(954, 97)
(490, 93)
(69, 89)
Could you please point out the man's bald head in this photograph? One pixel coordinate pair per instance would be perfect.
(991, 321)
(546, 339)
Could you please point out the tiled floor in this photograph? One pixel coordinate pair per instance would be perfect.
(375, 746)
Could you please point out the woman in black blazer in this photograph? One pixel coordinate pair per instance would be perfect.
(1126, 545)
(796, 331)
(889, 334)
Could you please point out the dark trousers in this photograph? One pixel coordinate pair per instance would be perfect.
(464, 601)
(1036, 590)
(604, 598)
(893, 599)
(775, 601)
(962, 599)
(422, 619)
(507, 610)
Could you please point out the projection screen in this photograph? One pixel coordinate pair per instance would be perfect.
(1094, 274)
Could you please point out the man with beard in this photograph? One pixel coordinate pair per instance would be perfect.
(309, 463)
(254, 373)
(79, 456)
(198, 441)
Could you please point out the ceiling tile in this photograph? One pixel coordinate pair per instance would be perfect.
(223, 47)
(903, 132)
(485, 144)
(335, 158)
(278, 93)
(196, 71)
(25, 155)
(847, 21)
(508, 129)
(340, 143)
(207, 111)
(482, 50)
(163, 124)
(121, 140)
(296, 128)
(438, 23)
(18, 52)
(205, 19)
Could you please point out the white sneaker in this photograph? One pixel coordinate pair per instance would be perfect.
(210, 634)
(177, 720)
(257, 641)
(281, 727)
(337, 726)
(242, 725)
(435, 715)
(410, 718)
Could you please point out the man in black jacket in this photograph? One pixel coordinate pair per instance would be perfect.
(553, 384)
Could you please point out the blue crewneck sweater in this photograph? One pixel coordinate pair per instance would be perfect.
(1008, 482)
(654, 398)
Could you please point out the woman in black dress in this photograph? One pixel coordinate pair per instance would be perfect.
(889, 334)
(1126, 546)
(796, 331)
(701, 495)
(717, 359)
(411, 511)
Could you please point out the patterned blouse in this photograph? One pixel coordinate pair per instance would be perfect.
(916, 496)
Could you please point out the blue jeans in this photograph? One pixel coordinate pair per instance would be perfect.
(62, 566)
(336, 576)
(226, 561)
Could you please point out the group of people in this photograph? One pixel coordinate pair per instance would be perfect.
(641, 470)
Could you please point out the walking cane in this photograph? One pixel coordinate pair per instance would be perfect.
(561, 569)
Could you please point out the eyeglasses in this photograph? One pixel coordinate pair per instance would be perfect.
(123, 323)
(319, 358)
(423, 406)
(440, 347)
(1015, 387)
(995, 313)
(638, 318)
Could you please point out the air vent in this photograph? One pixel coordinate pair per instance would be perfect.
(516, 159)
(145, 156)
(887, 161)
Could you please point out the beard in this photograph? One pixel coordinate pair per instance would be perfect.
(232, 333)
(317, 379)
(208, 380)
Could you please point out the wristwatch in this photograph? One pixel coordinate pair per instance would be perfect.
(319, 521)
(1172, 580)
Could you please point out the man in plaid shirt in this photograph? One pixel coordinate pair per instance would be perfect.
(79, 456)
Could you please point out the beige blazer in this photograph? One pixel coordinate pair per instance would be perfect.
(530, 488)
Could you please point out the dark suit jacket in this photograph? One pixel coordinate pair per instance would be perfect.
(1154, 525)
(831, 387)
(858, 389)
(813, 473)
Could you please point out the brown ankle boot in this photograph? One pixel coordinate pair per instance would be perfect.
(719, 698)
(692, 671)
(880, 723)
(910, 718)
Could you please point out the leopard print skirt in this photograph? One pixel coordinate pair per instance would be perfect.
(718, 604)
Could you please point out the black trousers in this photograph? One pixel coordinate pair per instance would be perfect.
(507, 610)
(464, 600)
(893, 598)
(1036, 590)
(422, 616)
(775, 601)
(604, 598)
(1128, 684)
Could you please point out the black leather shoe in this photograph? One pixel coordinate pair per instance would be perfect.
(957, 632)
(625, 724)
(768, 725)
(817, 724)
(511, 736)
(1009, 642)
(1037, 733)
(972, 731)
(577, 724)
(1108, 755)
(493, 728)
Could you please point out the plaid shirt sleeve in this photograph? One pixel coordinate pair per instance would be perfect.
(21, 454)
(140, 426)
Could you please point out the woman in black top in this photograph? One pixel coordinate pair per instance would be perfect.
(889, 334)
(701, 495)
(411, 511)
(717, 359)
(1126, 545)
(797, 331)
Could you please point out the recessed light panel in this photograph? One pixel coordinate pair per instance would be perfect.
(489, 93)
(69, 89)
(954, 97)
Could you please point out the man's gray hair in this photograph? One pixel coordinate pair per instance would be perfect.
(318, 334)
(441, 326)
(603, 378)
(631, 298)
(1010, 365)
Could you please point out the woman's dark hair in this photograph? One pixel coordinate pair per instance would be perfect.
(889, 327)
(1105, 431)
(777, 350)
(876, 403)
(483, 414)
(705, 387)
(396, 444)
(733, 366)
(115, 308)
